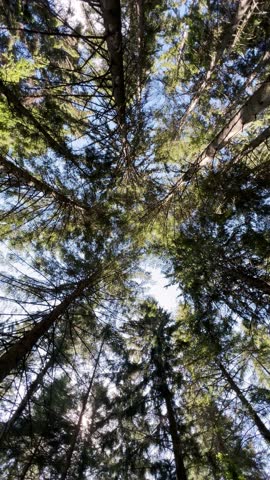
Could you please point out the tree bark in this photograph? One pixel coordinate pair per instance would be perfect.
(263, 61)
(17, 352)
(246, 404)
(256, 103)
(256, 142)
(79, 423)
(177, 448)
(29, 464)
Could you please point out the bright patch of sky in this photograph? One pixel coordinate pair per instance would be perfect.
(156, 285)
(76, 9)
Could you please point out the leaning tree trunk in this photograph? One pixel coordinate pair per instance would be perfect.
(246, 404)
(17, 352)
(251, 146)
(79, 423)
(25, 401)
(258, 102)
(57, 145)
(227, 42)
(28, 465)
(23, 177)
(254, 282)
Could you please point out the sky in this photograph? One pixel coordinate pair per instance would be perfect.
(158, 287)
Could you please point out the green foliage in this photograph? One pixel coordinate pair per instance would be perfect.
(89, 185)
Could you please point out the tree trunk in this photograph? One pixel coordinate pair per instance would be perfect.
(258, 102)
(255, 282)
(139, 6)
(256, 142)
(227, 42)
(111, 11)
(30, 392)
(78, 426)
(29, 464)
(248, 407)
(177, 448)
(244, 13)
(167, 396)
(263, 61)
(247, 113)
(17, 352)
(22, 176)
(57, 145)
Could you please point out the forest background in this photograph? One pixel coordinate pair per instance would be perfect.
(134, 131)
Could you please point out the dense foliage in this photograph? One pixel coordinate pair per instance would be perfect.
(134, 130)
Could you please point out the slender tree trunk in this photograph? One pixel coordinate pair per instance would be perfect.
(111, 11)
(258, 102)
(78, 426)
(167, 396)
(22, 176)
(255, 282)
(263, 61)
(256, 142)
(29, 394)
(29, 464)
(52, 33)
(245, 11)
(17, 352)
(247, 113)
(246, 404)
(177, 448)
(57, 145)
(227, 42)
(139, 6)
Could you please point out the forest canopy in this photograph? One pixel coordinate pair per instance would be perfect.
(134, 131)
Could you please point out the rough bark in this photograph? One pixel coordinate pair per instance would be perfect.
(246, 404)
(258, 102)
(17, 352)
(177, 449)
(244, 13)
(79, 423)
(139, 9)
(263, 61)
